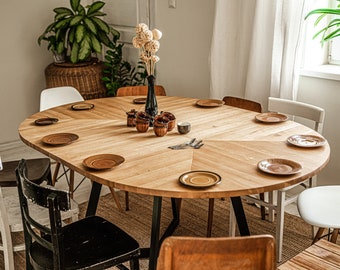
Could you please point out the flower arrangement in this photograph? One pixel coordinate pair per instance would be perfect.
(147, 41)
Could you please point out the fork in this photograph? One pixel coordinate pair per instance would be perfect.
(183, 145)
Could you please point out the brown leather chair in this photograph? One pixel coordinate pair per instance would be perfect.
(247, 105)
(140, 90)
(232, 253)
(243, 103)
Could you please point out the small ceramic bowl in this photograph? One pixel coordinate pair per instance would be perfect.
(183, 127)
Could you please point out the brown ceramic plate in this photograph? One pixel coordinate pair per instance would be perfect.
(139, 100)
(82, 106)
(60, 138)
(45, 121)
(279, 166)
(200, 179)
(103, 161)
(210, 103)
(306, 141)
(271, 117)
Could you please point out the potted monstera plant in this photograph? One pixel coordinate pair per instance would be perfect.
(78, 31)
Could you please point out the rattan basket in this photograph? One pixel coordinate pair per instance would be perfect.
(85, 77)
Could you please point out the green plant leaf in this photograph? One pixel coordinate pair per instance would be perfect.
(76, 20)
(80, 33)
(103, 26)
(75, 4)
(74, 53)
(63, 10)
(90, 25)
(85, 48)
(96, 45)
(63, 23)
(97, 14)
(96, 6)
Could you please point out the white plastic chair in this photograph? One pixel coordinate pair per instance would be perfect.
(53, 97)
(319, 206)
(293, 109)
(10, 214)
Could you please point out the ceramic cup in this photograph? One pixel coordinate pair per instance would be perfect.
(183, 127)
(172, 120)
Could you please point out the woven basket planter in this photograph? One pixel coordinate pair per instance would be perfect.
(85, 77)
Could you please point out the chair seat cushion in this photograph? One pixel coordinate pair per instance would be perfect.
(87, 242)
(319, 206)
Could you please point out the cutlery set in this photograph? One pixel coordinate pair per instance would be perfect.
(193, 143)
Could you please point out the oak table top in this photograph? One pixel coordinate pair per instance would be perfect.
(321, 255)
(234, 143)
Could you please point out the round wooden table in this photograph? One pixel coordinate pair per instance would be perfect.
(234, 143)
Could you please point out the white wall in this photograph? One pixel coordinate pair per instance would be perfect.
(22, 60)
(183, 69)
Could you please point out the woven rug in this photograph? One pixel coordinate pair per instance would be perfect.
(137, 222)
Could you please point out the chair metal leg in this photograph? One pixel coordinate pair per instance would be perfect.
(263, 209)
(127, 201)
(280, 214)
(210, 216)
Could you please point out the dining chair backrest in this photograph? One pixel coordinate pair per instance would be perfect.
(298, 109)
(234, 253)
(243, 103)
(47, 197)
(140, 90)
(53, 97)
(90, 243)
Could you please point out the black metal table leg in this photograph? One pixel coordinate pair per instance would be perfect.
(240, 216)
(155, 228)
(93, 200)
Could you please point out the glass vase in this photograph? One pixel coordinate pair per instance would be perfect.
(151, 106)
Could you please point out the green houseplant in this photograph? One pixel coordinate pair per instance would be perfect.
(78, 31)
(119, 72)
(332, 29)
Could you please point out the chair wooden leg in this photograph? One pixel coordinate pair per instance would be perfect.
(334, 235)
(116, 199)
(263, 209)
(210, 216)
(55, 173)
(318, 235)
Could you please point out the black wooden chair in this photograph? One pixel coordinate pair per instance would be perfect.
(91, 243)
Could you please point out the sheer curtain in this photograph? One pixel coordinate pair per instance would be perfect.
(255, 50)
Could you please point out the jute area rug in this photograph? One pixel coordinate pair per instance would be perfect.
(137, 222)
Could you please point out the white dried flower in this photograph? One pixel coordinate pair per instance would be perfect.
(144, 57)
(146, 35)
(141, 27)
(156, 34)
(154, 58)
(137, 43)
(152, 46)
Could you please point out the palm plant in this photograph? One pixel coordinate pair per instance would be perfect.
(78, 31)
(332, 29)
